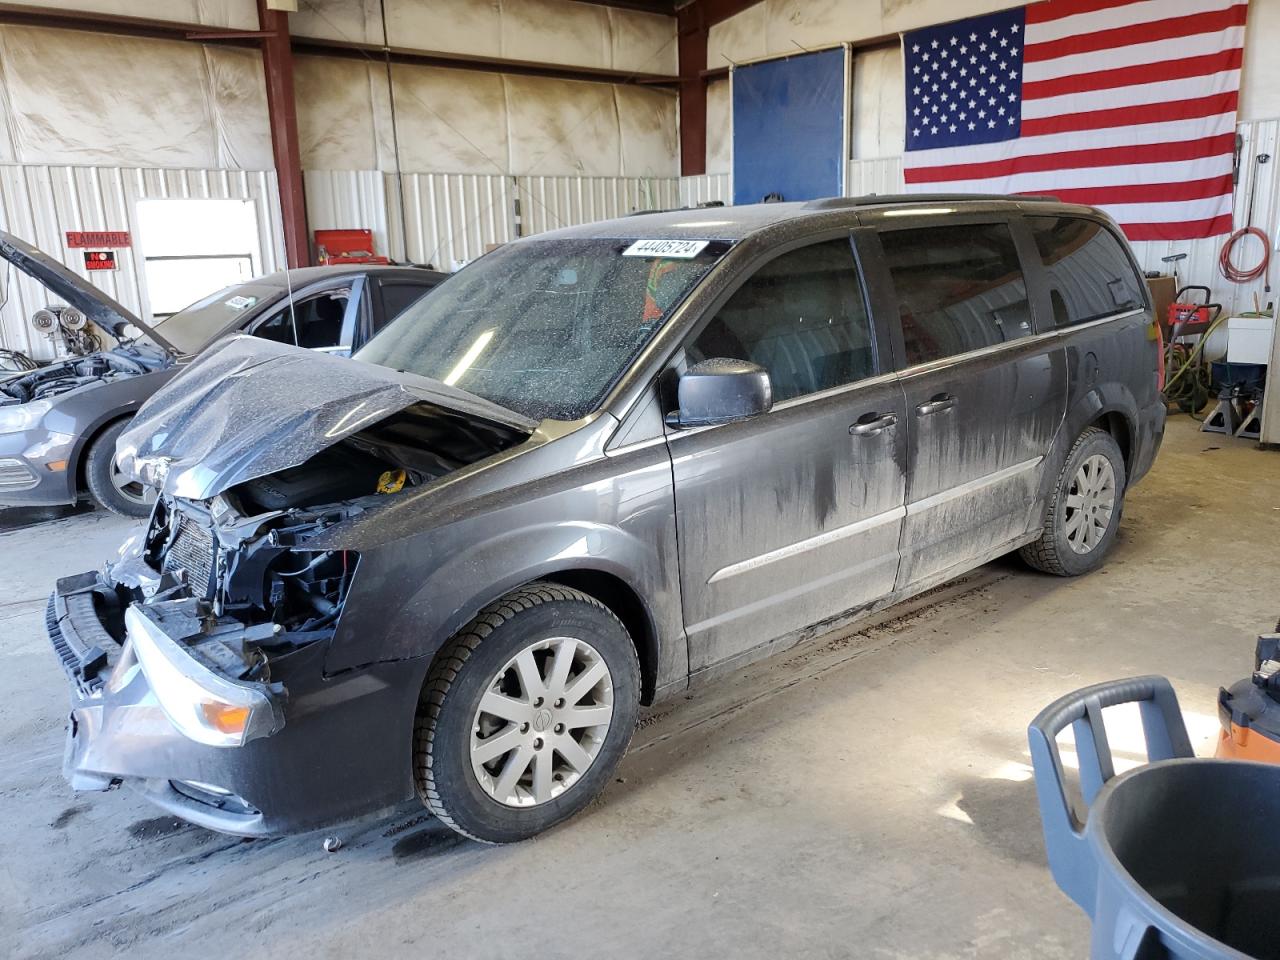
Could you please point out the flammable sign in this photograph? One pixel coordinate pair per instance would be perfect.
(99, 260)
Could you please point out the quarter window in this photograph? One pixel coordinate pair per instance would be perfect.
(1089, 275)
(802, 317)
(960, 288)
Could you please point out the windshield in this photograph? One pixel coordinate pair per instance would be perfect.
(544, 327)
(192, 328)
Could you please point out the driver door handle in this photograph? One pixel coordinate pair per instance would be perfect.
(872, 424)
(943, 401)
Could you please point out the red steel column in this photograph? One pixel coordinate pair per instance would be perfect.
(691, 40)
(282, 112)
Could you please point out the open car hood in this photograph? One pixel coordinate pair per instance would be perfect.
(248, 408)
(74, 289)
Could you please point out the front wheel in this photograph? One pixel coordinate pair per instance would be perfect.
(525, 713)
(1084, 509)
(109, 486)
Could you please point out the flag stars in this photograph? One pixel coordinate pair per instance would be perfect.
(915, 48)
(995, 32)
(934, 45)
(1015, 28)
(954, 41)
(982, 47)
(1004, 41)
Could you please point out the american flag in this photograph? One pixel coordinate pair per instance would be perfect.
(1128, 105)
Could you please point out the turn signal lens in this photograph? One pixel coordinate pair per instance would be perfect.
(225, 717)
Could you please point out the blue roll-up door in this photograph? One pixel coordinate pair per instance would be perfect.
(788, 127)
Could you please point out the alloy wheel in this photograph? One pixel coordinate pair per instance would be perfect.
(1091, 501)
(132, 490)
(541, 722)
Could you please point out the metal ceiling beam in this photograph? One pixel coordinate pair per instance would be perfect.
(112, 24)
(667, 7)
(462, 61)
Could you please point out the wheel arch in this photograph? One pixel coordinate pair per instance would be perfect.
(79, 456)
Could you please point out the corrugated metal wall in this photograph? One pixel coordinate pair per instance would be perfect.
(452, 218)
(705, 189)
(40, 203)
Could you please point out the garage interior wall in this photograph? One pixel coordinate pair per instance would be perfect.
(775, 28)
(477, 150)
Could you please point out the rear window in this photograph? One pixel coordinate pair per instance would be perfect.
(1090, 277)
(960, 288)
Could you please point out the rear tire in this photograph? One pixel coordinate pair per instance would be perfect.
(107, 486)
(525, 713)
(1084, 510)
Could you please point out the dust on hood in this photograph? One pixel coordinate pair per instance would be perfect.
(248, 408)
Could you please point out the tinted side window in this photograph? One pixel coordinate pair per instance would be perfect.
(1089, 275)
(318, 320)
(960, 288)
(802, 317)
(396, 297)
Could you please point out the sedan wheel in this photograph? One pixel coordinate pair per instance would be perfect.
(542, 722)
(129, 489)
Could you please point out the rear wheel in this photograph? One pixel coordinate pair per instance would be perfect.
(525, 714)
(109, 486)
(1084, 510)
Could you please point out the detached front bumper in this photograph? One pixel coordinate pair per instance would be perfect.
(344, 747)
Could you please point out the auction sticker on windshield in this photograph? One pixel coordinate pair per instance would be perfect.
(671, 249)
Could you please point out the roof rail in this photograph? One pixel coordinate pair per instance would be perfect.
(871, 199)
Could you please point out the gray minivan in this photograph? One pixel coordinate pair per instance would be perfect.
(594, 468)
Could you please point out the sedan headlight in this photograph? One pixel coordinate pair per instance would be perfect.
(205, 706)
(23, 416)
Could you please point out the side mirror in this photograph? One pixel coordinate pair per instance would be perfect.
(721, 391)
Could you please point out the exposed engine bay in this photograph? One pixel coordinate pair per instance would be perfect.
(233, 579)
(65, 375)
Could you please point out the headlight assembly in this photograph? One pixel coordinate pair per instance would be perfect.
(206, 707)
(23, 416)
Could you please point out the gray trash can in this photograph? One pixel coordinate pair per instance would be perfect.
(1176, 859)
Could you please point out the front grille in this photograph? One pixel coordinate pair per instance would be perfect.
(193, 552)
(16, 475)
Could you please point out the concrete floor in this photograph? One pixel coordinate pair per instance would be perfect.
(865, 795)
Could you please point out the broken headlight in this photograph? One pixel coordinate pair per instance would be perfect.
(206, 707)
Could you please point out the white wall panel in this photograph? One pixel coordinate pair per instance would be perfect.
(544, 31)
(449, 219)
(40, 203)
(881, 175)
(705, 189)
(548, 203)
(166, 103)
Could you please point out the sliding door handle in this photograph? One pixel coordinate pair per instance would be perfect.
(872, 424)
(943, 401)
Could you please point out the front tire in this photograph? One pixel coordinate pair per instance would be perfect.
(525, 713)
(1084, 510)
(110, 488)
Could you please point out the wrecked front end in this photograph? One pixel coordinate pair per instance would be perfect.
(197, 657)
(197, 669)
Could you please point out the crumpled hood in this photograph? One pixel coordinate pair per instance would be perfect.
(248, 408)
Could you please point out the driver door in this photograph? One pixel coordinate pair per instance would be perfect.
(792, 517)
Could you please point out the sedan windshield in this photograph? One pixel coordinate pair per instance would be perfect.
(193, 328)
(544, 327)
